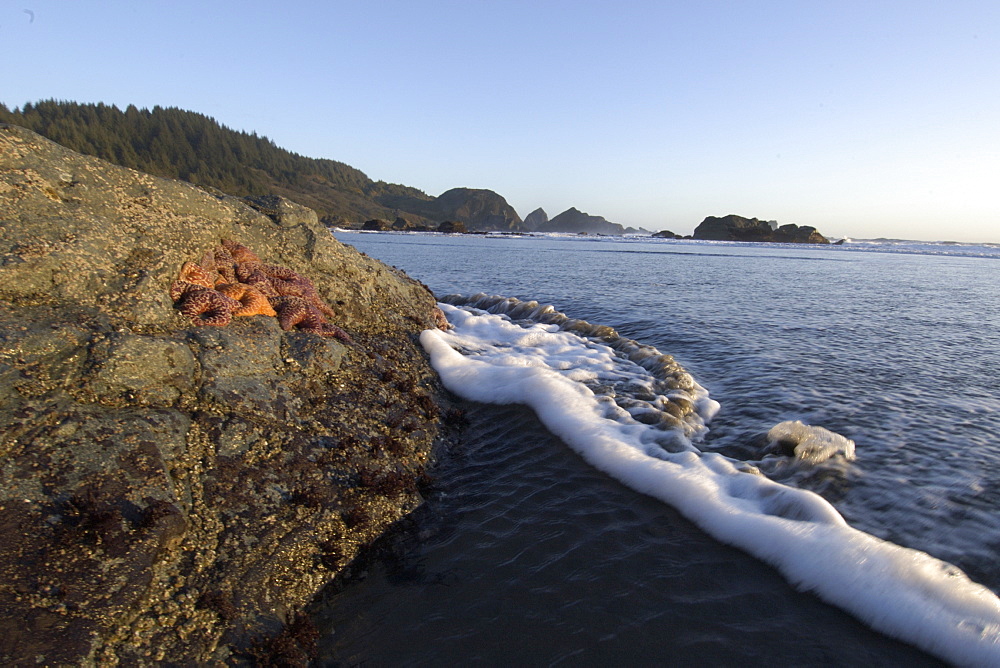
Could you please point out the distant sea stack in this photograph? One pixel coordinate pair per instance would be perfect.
(535, 219)
(478, 209)
(738, 228)
(575, 221)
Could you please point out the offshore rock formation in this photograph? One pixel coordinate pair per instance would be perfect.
(478, 209)
(738, 228)
(574, 221)
(452, 227)
(535, 219)
(798, 234)
(172, 493)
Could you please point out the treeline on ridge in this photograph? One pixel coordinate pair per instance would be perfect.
(186, 145)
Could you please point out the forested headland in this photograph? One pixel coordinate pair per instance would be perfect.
(186, 145)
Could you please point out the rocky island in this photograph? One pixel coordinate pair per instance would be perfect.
(176, 491)
(738, 228)
(575, 221)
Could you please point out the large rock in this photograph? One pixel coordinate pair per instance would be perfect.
(452, 227)
(377, 224)
(478, 209)
(738, 228)
(575, 221)
(171, 493)
(732, 228)
(535, 219)
(798, 234)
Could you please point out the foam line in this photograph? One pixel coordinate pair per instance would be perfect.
(899, 591)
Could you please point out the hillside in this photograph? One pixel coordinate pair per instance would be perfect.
(174, 143)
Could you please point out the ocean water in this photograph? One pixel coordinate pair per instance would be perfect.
(539, 546)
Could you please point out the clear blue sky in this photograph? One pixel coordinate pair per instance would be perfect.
(864, 119)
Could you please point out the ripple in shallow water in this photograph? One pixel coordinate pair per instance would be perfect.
(525, 554)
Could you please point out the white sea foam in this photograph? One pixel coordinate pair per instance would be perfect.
(575, 385)
(809, 443)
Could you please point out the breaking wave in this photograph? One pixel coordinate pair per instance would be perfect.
(638, 416)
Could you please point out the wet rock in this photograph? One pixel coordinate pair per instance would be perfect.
(177, 494)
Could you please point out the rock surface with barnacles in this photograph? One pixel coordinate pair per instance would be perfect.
(175, 493)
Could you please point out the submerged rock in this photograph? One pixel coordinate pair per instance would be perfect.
(172, 493)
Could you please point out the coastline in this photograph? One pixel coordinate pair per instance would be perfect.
(179, 493)
(849, 245)
(816, 334)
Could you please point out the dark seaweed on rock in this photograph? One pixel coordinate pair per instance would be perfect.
(172, 493)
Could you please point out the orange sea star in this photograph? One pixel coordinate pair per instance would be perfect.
(297, 313)
(239, 252)
(207, 307)
(252, 301)
(199, 275)
(230, 279)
